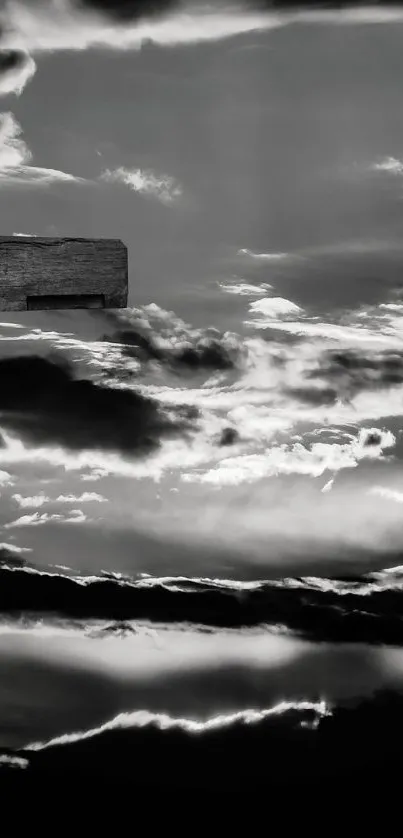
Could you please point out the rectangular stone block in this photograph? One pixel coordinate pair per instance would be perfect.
(50, 273)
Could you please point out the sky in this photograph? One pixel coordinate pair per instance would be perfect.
(242, 418)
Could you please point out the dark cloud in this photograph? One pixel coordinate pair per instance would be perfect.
(16, 67)
(42, 401)
(372, 438)
(339, 615)
(11, 60)
(354, 371)
(136, 345)
(205, 354)
(229, 436)
(11, 557)
(313, 395)
(127, 10)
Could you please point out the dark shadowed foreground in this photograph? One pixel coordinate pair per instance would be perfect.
(294, 748)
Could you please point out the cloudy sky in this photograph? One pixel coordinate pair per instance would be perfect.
(243, 416)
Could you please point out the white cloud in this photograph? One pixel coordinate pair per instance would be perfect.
(163, 187)
(86, 497)
(50, 25)
(14, 549)
(264, 256)
(273, 307)
(54, 25)
(6, 479)
(144, 718)
(244, 289)
(27, 502)
(76, 516)
(347, 334)
(296, 459)
(15, 158)
(11, 761)
(389, 164)
(260, 400)
(26, 235)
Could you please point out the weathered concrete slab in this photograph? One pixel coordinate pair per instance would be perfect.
(66, 273)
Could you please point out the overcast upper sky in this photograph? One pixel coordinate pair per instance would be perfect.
(252, 161)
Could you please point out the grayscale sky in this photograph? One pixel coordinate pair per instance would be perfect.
(252, 162)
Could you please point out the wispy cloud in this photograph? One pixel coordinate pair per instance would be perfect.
(86, 497)
(76, 516)
(143, 718)
(14, 549)
(388, 494)
(15, 159)
(52, 25)
(268, 257)
(162, 187)
(29, 29)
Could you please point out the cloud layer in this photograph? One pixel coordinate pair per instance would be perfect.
(28, 29)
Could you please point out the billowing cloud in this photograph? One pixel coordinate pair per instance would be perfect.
(237, 408)
(31, 502)
(15, 159)
(161, 187)
(153, 334)
(272, 308)
(296, 459)
(352, 371)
